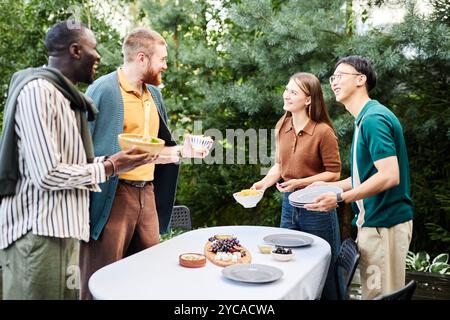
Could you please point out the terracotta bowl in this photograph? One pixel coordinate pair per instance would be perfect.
(128, 140)
(192, 260)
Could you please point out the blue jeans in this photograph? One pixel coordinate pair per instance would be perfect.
(321, 224)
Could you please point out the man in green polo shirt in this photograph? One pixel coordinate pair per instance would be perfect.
(379, 186)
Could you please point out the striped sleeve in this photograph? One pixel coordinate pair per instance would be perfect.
(37, 109)
(99, 159)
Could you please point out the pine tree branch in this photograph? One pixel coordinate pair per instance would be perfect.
(329, 31)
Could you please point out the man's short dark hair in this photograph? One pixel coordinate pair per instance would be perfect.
(362, 65)
(61, 36)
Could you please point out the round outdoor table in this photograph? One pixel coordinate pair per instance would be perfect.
(155, 274)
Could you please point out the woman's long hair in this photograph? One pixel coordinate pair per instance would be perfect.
(317, 111)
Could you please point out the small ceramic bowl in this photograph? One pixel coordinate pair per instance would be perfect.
(128, 140)
(200, 143)
(248, 201)
(282, 256)
(265, 248)
(192, 260)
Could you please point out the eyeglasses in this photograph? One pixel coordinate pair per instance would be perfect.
(338, 76)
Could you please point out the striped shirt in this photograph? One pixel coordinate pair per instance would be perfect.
(52, 193)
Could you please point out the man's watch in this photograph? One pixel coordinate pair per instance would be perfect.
(339, 197)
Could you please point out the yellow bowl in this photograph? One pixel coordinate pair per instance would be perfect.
(128, 140)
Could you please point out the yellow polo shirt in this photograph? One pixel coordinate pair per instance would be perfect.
(134, 105)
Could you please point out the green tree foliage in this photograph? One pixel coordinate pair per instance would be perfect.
(413, 64)
(24, 23)
(230, 62)
(441, 11)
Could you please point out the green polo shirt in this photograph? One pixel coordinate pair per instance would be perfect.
(381, 136)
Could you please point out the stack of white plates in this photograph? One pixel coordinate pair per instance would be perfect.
(307, 195)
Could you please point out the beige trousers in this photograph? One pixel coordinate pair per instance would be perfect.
(383, 258)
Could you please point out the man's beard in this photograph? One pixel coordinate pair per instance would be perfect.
(153, 78)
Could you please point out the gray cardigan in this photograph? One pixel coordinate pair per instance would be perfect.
(106, 94)
(80, 104)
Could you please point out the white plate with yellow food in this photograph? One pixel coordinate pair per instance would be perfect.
(248, 198)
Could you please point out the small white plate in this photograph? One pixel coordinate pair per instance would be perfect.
(252, 273)
(307, 195)
(288, 240)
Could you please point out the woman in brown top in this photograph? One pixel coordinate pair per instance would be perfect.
(307, 151)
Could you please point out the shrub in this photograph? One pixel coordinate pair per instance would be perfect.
(421, 262)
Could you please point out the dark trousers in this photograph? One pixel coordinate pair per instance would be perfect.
(132, 226)
(321, 224)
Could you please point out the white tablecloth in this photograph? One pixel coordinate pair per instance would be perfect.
(155, 273)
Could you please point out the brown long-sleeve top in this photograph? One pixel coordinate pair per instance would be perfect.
(312, 151)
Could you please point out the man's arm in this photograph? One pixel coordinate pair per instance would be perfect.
(175, 153)
(39, 137)
(388, 176)
(345, 184)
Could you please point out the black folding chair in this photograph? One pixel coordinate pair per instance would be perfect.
(404, 293)
(346, 261)
(181, 218)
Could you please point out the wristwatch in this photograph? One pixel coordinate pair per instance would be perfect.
(339, 197)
